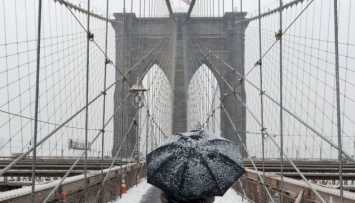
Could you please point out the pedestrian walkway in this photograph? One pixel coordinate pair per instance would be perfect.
(146, 193)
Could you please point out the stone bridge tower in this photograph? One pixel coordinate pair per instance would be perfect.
(138, 42)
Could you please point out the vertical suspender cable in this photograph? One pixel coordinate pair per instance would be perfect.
(219, 16)
(123, 153)
(338, 99)
(129, 63)
(37, 100)
(213, 17)
(107, 61)
(281, 106)
(261, 95)
(241, 63)
(147, 123)
(234, 49)
(223, 8)
(87, 99)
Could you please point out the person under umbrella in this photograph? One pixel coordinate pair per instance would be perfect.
(193, 166)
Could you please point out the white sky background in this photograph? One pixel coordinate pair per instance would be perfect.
(308, 80)
(62, 78)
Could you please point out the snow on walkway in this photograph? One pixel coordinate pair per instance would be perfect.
(146, 193)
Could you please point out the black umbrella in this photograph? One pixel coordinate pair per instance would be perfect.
(194, 165)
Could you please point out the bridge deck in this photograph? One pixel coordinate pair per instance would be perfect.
(324, 173)
(312, 170)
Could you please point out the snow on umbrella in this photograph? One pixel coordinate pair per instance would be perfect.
(194, 165)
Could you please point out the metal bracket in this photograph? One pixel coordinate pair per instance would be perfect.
(108, 61)
(91, 36)
(125, 78)
(278, 35)
(258, 63)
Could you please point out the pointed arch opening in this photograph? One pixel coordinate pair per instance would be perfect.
(155, 122)
(203, 101)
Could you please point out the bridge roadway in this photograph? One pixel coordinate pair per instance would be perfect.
(73, 186)
(54, 167)
(323, 174)
(312, 170)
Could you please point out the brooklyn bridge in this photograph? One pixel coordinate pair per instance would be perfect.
(89, 88)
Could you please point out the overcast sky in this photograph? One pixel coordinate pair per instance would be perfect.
(250, 6)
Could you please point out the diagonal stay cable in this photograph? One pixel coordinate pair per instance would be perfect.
(171, 13)
(105, 179)
(89, 34)
(215, 91)
(126, 135)
(153, 60)
(152, 51)
(264, 186)
(274, 101)
(82, 154)
(116, 155)
(263, 183)
(151, 63)
(107, 58)
(284, 154)
(40, 121)
(14, 162)
(148, 113)
(280, 35)
(246, 149)
(78, 8)
(141, 77)
(166, 57)
(294, 166)
(265, 132)
(192, 4)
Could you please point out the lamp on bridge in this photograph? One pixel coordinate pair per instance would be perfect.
(138, 94)
(137, 101)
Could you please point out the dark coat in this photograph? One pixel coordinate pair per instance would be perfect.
(165, 198)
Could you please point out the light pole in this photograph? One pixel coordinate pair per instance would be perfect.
(137, 101)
